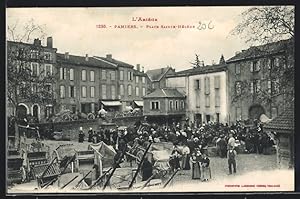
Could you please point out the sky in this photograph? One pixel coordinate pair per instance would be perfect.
(74, 30)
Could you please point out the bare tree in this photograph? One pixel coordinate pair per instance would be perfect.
(27, 82)
(265, 24)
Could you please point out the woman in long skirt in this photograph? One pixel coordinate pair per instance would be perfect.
(196, 173)
(186, 158)
(205, 169)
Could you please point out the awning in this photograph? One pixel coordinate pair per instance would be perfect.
(139, 103)
(111, 103)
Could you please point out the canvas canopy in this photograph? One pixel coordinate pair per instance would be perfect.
(264, 119)
(106, 152)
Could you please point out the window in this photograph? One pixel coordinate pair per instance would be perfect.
(154, 105)
(255, 67)
(61, 73)
(176, 105)
(47, 56)
(275, 84)
(130, 76)
(270, 63)
(238, 88)
(252, 87)
(207, 100)
(182, 104)
(198, 102)
(48, 69)
(129, 90)
(269, 86)
(34, 54)
(217, 82)
(121, 75)
(143, 79)
(237, 69)
(276, 62)
(113, 75)
(197, 84)
(136, 79)
(274, 112)
(65, 73)
(34, 68)
(122, 89)
(83, 75)
(71, 74)
(218, 117)
(144, 91)
(137, 91)
(92, 94)
(171, 105)
(206, 82)
(72, 92)
(257, 86)
(103, 88)
(83, 91)
(103, 75)
(92, 76)
(62, 91)
(33, 88)
(113, 92)
(217, 98)
(238, 113)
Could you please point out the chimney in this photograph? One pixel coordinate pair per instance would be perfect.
(142, 68)
(237, 52)
(162, 70)
(66, 55)
(109, 56)
(86, 57)
(49, 42)
(37, 42)
(138, 67)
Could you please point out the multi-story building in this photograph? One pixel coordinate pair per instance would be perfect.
(84, 82)
(164, 105)
(206, 91)
(87, 84)
(260, 80)
(157, 77)
(41, 62)
(132, 84)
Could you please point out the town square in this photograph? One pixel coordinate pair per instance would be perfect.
(177, 100)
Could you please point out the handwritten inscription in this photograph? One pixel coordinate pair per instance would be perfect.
(205, 25)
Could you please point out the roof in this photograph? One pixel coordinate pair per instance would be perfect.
(200, 70)
(262, 50)
(165, 93)
(80, 60)
(157, 74)
(116, 62)
(284, 122)
(29, 44)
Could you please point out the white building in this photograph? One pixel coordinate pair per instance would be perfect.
(206, 91)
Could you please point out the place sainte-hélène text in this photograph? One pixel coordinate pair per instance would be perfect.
(144, 19)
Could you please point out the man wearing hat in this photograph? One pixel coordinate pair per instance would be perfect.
(90, 133)
(81, 135)
(231, 140)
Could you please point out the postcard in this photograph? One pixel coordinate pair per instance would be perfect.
(150, 99)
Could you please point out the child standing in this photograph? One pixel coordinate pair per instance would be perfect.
(231, 155)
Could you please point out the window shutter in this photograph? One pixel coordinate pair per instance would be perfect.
(258, 65)
(252, 67)
(69, 91)
(269, 86)
(74, 92)
(258, 85)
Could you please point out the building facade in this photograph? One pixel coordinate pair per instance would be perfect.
(258, 81)
(31, 95)
(165, 105)
(87, 84)
(206, 91)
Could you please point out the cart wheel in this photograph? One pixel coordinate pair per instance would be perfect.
(90, 116)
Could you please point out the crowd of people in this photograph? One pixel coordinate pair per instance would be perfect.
(190, 143)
